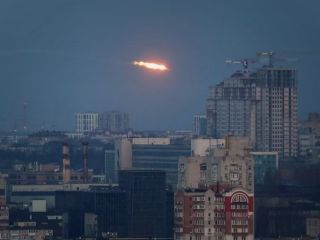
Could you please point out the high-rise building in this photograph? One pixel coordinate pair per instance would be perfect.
(87, 122)
(261, 105)
(199, 125)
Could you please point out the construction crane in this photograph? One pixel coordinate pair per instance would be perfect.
(244, 62)
(270, 56)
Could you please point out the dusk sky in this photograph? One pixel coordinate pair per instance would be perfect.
(68, 56)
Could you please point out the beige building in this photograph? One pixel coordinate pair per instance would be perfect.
(232, 165)
(189, 171)
(204, 146)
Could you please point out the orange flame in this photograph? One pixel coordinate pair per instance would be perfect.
(149, 65)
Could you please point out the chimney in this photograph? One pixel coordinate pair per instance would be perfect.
(66, 163)
(85, 161)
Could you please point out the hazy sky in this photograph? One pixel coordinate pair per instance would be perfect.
(66, 56)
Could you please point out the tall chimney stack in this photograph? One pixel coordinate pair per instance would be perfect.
(85, 162)
(66, 163)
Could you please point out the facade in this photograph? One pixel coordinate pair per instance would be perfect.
(4, 217)
(204, 146)
(199, 125)
(189, 172)
(123, 153)
(147, 210)
(213, 213)
(87, 122)
(232, 165)
(150, 154)
(25, 194)
(264, 163)
(110, 166)
(163, 157)
(230, 105)
(261, 105)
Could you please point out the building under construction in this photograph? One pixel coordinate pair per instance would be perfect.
(261, 104)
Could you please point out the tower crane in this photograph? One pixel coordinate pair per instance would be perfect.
(270, 56)
(244, 62)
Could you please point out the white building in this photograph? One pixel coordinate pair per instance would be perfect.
(87, 122)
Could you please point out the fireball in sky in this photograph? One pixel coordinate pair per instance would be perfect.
(151, 65)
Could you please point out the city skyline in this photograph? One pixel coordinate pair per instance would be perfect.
(61, 58)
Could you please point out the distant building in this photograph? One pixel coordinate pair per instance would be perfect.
(261, 105)
(214, 213)
(199, 125)
(264, 163)
(147, 211)
(87, 122)
(309, 137)
(114, 122)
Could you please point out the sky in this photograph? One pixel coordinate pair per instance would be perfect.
(68, 56)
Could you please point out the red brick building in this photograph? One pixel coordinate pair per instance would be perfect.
(214, 214)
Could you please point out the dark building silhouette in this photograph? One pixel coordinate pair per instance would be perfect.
(149, 212)
(93, 213)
